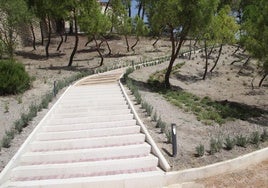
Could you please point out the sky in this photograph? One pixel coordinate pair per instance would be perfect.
(134, 10)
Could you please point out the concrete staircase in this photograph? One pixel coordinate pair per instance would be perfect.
(88, 139)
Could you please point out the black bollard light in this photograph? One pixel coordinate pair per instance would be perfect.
(174, 139)
(54, 89)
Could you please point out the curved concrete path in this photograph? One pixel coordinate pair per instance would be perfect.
(89, 138)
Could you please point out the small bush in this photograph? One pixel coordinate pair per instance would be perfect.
(255, 138)
(215, 146)
(19, 124)
(154, 118)
(14, 78)
(241, 141)
(200, 150)
(128, 72)
(5, 143)
(149, 110)
(6, 107)
(25, 119)
(264, 135)
(160, 124)
(10, 133)
(169, 136)
(229, 143)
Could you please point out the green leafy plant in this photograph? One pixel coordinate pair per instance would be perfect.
(229, 143)
(6, 107)
(6, 142)
(200, 150)
(241, 141)
(14, 78)
(264, 135)
(255, 138)
(154, 118)
(169, 136)
(215, 146)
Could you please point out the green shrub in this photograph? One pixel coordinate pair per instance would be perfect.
(13, 77)
(241, 141)
(19, 124)
(154, 118)
(229, 143)
(5, 143)
(200, 150)
(169, 136)
(215, 146)
(255, 138)
(128, 72)
(10, 133)
(264, 135)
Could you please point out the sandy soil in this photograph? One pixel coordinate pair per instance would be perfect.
(224, 84)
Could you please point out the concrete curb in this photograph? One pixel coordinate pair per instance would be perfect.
(238, 163)
(162, 161)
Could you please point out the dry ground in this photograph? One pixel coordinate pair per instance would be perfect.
(224, 84)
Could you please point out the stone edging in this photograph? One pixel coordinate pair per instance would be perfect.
(238, 163)
(162, 161)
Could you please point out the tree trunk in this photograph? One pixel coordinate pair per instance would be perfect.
(135, 44)
(107, 6)
(244, 64)
(98, 50)
(49, 37)
(139, 9)
(263, 78)
(66, 36)
(143, 10)
(42, 33)
(238, 48)
(33, 34)
(206, 66)
(89, 40)
(127, 43)
(76, 40)
(217, 60)
(156, 41)
(195, 45)
(61, 41)
(174, 55)
(211, 50)
(109, 48)
(129, 11)
(190, 50)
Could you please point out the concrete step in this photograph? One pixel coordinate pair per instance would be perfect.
(151, 179)
(87, 143)
(91, 113)
(93, 97)
(83, 155)
(89, 126)
(103, 81)
(90, 108)
(92, 133)
(84, 169)
(68, 121)
(93, 103)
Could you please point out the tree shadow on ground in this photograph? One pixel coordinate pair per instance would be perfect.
(228, 110)
(34, 56)
(70, 68)
(89, 50)
(187, 78)
(252, 114)
(118, 55)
